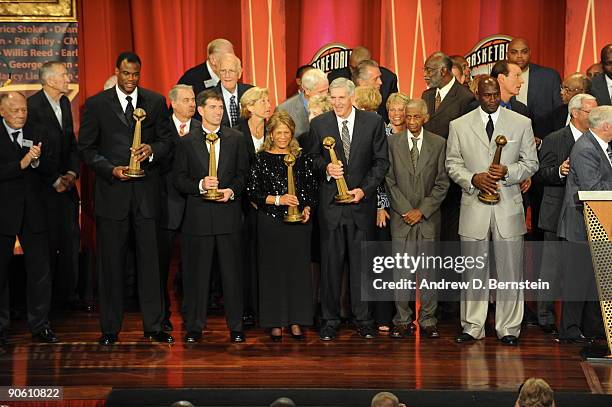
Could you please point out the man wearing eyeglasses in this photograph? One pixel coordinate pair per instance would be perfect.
(230, 71)
(572, 85)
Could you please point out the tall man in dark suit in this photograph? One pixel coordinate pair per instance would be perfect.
(24, 173)
(590, 170)
(183, 103)
(388, 78)
(206, 75)
(51, 109)
(230, 71)
(446, 100)
(211, 226)
(417, 184)
(361, 147)
(540, 92)
(123, 204)
(572, 85)
(601, 84)
(554, 168)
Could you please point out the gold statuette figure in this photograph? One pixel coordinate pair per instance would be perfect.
(134, 170)
(343, 196)
(212, 194)
(293, 212)
(484, 197)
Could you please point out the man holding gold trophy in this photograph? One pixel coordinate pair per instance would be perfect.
(125, 125)
(349, 149)
(490, 151)
(210, 167)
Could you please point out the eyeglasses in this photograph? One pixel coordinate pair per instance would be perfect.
(584, 110)
(568, 89)
(227, 72)
(429, 70)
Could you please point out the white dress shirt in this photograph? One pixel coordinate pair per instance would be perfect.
(10, 131)
(214, 79)
(576, 134)
(177, 124)
(443, 91)
(485, 116)
(57, 109)
(257, 142)
(603, 144)
(226, 98)
(522, 96)
(419, 140)
(350, 124)
(122, 98)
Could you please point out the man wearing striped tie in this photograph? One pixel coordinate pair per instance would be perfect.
(361, 148)
(183, 104)
(230, 71)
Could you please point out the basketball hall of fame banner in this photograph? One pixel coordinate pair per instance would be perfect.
(29, 38)
(487, 52)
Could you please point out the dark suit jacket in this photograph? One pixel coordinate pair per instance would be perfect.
(172, 201)
(458, 101)
(104, 142)
(242, 87)
(543, 96)
(599, 89)
(369, 162)
(556, 148)
(243, 127)
(202, 217)
(61, 138)
(519, 107)
(424, 188)
(389, 86)
(557, 118)
(196, 77)
(590, 170)
(21, 190)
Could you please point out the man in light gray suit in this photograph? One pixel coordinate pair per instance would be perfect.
(590, 170)
(314, 82)
(470, 149)
(417, 184)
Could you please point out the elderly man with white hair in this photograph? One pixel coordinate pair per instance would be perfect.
(206, 75)
(314, 82)
(230, 72)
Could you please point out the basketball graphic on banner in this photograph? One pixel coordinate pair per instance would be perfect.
(487, 52)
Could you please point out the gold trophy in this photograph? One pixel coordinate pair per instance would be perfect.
(134, 170)
(484, 197)
(343, 196)
(212, 194)
(293, 212)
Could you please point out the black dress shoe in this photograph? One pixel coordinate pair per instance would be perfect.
(509, 340)
(464, 337)
(430, 332)
(368, 332)
(399, 332)
(581, 340)
(237, 336)
(166, 325)
(193, 337)
(550, 329)
(107, 339)
(160, 336)
(45, 336)
(327, 333)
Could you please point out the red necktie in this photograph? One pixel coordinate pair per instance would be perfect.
(182, 129)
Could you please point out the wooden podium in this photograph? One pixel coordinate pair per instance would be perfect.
(598, 220)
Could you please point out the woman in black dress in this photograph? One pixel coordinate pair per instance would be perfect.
(283, 249)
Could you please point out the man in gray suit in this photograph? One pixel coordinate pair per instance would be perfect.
(470, 149)
(590, 170)
(314, 82)
(417, 184)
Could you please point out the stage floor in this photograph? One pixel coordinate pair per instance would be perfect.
(88, 371)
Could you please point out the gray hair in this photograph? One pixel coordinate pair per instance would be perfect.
(576, 101)
(215, 45)
(418, 104)
(361, 70)
(173, 94)
(312, 78)
(47, 70)
(237, 62)
(599, 116)
(343, 83)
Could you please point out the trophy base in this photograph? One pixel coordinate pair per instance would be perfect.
(212, 196)
(344, 198)
(134, 173)
(488, 199)
(293, 218)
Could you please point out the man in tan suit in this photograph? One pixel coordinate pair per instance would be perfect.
(470, 150)
(417, 184)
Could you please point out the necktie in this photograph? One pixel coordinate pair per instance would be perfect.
(490, 128)
(346, 141)
(414, 152)
(233, 111)
(129, 111)
(438, 101)
(16, 144)
(182, 129)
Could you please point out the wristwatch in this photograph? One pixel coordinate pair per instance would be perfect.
(277, 200)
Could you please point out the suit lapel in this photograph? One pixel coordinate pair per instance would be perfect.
(355, 137)
(201, 150)
(335, 133)
(113, 101)
(479, 128)
(223, 153)
(424, 153)
(48, 111)
(404, 151)
(448, 99)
